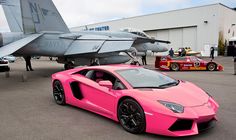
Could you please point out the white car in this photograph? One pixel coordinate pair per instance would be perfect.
(10, 58)
(4, 65)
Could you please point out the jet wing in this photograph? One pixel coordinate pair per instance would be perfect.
(14, 46)
(97, 44)
(149, 40)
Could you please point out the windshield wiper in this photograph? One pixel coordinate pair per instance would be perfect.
(175, 83)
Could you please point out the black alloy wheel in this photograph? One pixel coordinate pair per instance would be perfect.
(131, 116)
(58, 93)
(211, 67)
(174, 66)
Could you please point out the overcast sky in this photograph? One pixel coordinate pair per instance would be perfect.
(82, 12)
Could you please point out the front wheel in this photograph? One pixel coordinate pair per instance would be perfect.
(211, 66)
(174, 66)
(131, 116)
(8, 69)
(58, 93)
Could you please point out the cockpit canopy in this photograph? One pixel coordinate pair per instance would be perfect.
(135, 31)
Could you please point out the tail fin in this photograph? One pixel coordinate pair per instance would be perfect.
(13, 14)
(33, 16)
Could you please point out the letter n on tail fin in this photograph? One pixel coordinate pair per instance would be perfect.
(42, 15)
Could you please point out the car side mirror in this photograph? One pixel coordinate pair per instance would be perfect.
(106, 83)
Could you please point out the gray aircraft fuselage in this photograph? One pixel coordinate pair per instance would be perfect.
(51, 44)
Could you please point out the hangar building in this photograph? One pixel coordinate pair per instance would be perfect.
(198, 27)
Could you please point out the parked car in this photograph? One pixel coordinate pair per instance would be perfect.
(4, 65)
(10, 58)
(186, 63)
(141, 100)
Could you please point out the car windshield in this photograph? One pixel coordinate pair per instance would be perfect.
(144, 78)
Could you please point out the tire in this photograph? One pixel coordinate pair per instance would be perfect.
(58, 93)
(8, 69)
(174, 66)
(131, 116)
(68, 66)
(211, 66)
(136, 63)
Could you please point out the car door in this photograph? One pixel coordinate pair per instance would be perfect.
(97, 98)
(196, 63)
(184, 63)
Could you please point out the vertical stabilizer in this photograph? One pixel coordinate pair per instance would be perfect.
(41, 15)
(13, 15)
(33, 16)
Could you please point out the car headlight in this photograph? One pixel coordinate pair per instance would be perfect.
(176, 108)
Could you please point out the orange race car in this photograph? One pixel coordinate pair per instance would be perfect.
(186, 63)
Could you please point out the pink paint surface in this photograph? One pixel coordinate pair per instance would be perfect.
(198, 106)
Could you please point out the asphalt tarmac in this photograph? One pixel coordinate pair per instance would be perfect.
(28, 111)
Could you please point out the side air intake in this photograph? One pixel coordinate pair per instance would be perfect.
(76, 90)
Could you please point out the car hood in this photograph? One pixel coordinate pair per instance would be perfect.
(185, 93)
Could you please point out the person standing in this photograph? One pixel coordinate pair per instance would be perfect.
(212, 53)
(171, 52)
(144, 59)
(28, 63)
(234, 56)
(183, 52)
(180, 52)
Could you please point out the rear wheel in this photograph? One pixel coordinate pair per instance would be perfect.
(211, 66)
(58, 93)
(174, 66)
(131, 116)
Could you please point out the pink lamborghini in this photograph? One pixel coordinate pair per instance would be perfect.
(141, 100)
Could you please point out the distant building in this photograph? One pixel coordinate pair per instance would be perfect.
(197, 27)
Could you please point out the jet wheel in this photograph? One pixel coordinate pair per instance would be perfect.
(69, 66)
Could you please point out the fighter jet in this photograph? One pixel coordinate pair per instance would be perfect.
(37, 29)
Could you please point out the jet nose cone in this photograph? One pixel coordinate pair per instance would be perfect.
(165, 49)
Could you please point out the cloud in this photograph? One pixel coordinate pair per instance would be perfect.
(155, 6)
(82, 12)
(164, 2)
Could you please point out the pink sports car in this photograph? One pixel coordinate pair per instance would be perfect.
(141, 100)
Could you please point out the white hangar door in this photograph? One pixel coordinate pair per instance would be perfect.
(176, 38)
(180, 37)
(190, 38)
